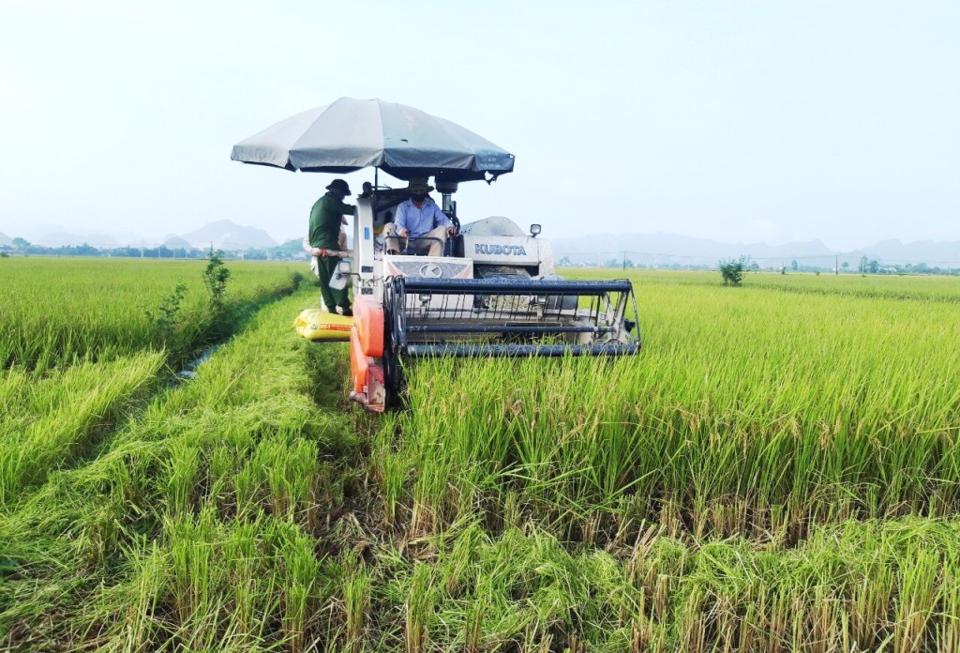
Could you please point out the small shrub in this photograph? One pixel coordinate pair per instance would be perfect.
(167, 313)
(215, 279)
(732, 272)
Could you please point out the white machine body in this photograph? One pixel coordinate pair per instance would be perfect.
(492, 247)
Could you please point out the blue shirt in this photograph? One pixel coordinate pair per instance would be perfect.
(420, 221)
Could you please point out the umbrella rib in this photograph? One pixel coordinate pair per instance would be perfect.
(383, 143)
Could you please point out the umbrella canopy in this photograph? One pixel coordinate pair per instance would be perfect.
(351, 134)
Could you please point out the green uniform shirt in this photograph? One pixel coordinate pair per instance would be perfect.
(325, 221)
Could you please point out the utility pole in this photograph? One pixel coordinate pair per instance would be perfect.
(624, 260)
(836, 265)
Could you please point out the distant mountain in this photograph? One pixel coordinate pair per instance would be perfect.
(223, 234)
(673, 248)
(292, 247)
(658, 248)
(5, 239)
(925, 251)
(226, 235)
(173, 241)
(63, 238)
(665, 248)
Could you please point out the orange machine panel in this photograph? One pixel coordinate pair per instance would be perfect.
(358, 365)
(368, 320)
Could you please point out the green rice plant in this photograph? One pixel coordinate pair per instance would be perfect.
(920, 587)
(195, 575)
(394, 475)
(300, 577)
(61, 413)
(254, 589)
(290, 470)
(417, 609)
(182, 476)
(356, 600)
(947, 636)
(141, 623)
(390, 471)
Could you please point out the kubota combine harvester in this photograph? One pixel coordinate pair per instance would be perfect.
(492, 293)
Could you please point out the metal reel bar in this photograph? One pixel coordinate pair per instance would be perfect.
(512, 350)
(501, 285)
(510, 317)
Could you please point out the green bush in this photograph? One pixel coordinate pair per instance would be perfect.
(732, 272)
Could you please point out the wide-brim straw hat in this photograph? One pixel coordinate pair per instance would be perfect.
(418, 185)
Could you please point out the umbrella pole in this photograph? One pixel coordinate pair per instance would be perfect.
(376, 177)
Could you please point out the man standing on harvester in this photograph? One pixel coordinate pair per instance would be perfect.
(326, 217)
(419, 218)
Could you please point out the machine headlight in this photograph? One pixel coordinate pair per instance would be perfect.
(343, 267)
(534, 230)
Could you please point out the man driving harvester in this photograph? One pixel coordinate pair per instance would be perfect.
(420, 221)
(326, 217)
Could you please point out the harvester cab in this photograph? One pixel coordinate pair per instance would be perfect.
(492, 292)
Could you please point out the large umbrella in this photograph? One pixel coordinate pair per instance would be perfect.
(351, 134)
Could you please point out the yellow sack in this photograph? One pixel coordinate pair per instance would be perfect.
(317, 324)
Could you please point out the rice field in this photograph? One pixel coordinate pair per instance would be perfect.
(777, 471)
(749, 412)
(56, 311)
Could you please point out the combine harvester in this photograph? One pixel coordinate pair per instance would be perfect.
(492, 293)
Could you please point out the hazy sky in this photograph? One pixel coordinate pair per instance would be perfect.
(738, 121)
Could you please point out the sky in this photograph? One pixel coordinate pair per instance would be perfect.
(739, 121)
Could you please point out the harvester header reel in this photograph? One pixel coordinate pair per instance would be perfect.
(510, 317)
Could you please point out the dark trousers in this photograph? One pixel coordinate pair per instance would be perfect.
(332, 298)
